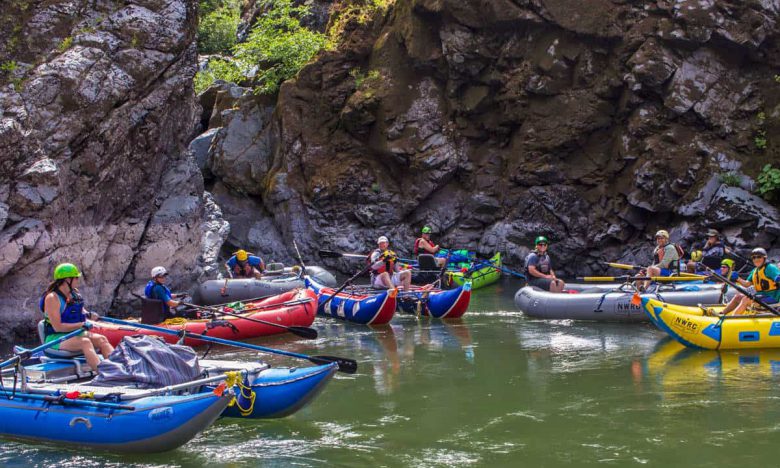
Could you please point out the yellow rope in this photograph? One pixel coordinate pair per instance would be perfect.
(175, 321)
(235, 379)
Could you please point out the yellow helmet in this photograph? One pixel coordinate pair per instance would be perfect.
(696, 255)
(662, 233)
(241, 255)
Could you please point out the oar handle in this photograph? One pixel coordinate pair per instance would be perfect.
(622, 266)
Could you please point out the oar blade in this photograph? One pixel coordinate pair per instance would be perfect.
(330, 254)
(304, 332)
(347, 366)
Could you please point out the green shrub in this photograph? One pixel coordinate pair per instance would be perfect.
(279, 45)
(361, 78)
(760, 139)
(218, 69)
(66, 44)
(731, 178)
(769, 183)
(217, 29)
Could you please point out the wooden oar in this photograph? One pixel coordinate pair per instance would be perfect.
(348, 366)
(622, 266)
(332, 254)
(303, 332)
(753, 297)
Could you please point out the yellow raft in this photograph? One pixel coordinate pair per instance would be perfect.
(702, 327)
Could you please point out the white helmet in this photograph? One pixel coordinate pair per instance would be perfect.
(382, 239)
(159, 271)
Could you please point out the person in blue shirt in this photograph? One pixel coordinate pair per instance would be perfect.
(763, 281)
(244, 265)
(156, 289)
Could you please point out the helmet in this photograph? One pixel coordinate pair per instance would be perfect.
(66, 270)
(426, 230)
(159, 271)
(713, 232)
(727, 262)
(662, 233)
(241, 255)
(697, 255)
(758, 251)
(540, 240)
(382, 239)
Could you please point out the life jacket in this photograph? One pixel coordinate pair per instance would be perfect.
(73, 311)
(544, 262)
(417, 245)
(761, 281)
(149, 290)
(388, 265)
(674, 265)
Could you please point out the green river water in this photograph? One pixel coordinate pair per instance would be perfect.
(495, 389)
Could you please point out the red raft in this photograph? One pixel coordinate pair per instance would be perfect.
(294, 308)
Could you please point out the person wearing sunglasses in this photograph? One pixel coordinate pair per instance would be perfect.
(539, 268)
(156, 289)
(763, 280)
(709, 254)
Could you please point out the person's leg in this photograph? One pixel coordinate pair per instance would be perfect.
(557, 286)
(386, 280)
(732, 304)
(406, 279)
(83, 344)
(101, 342)
(742, 306)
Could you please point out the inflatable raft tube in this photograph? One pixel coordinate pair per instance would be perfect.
(593, 287)
(210, 292)
(611, 306)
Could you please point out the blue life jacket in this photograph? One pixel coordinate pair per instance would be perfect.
(71, 311)
(166, 295)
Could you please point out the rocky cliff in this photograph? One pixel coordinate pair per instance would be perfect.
(97, 108)
(594, 122)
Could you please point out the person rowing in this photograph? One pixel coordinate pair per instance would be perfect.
(64, 312)
(424, 244)
(156, 289)
(386, 273)
(539, 268)
(709, 253)
(666, 259)
(763, 280)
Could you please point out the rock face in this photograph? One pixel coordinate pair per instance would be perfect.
(97, 111)
(594, 122)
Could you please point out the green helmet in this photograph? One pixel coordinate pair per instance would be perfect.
(541, 239)
(426, 230)
(727, 262)
(66, 270)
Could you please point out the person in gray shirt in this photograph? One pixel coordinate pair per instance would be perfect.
(539, 268)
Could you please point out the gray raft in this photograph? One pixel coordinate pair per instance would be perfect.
(609, 305)
(210, 292)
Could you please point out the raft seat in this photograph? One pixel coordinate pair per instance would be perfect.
(55, 353)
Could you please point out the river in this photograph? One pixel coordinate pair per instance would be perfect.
(495, 389)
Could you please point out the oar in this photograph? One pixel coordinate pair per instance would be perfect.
(71, 401)
(744, 291)
(30, 352)
(346, 283)
(622, 266)
(332, 254)
(659, 279)
(303, 332)
(348, 366)
(300, 259)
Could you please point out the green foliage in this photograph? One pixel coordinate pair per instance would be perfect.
(66, 44)
(777, 78)
(218, 69)
(731, 178)
(361, 78)
(760, 139)
(279, 45)
(218, 25)
(359, 11)
(769, 183)
(8, 67)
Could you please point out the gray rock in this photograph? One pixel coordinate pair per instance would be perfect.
(199, 149)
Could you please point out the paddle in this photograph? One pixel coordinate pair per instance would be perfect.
(303, 332)
(348, 366)
(300, 259)
(346, 283)
(502, 268)
(30, 352)
(744, 291)
(332, 254)
(660, 279)
(622, 266)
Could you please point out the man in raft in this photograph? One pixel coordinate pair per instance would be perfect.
(385, 271)
(764, 280)
(424, 245)
(245, 265)
(666, 258)
(64, 312)
(539, 268)
(710, 253)
(156, 289)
